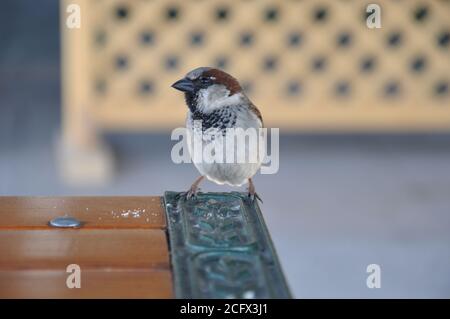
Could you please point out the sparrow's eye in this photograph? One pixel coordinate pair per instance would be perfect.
(205, 80)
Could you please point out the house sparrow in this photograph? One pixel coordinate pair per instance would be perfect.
(217, 100)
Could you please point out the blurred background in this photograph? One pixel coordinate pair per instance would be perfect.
(364, 114)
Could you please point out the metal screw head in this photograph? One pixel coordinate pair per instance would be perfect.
(65, 222)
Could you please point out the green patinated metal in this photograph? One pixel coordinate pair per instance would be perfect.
(220, 248)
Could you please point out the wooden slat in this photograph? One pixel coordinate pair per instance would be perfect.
(90, 249)
(94, 212)
(121, 248)
(94, 284)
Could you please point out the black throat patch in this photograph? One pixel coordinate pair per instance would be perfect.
(191, 101)
(220, 119)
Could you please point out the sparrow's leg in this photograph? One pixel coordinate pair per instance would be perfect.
(192, 192)
(252, 191)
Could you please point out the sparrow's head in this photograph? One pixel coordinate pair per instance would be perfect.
(207, 89)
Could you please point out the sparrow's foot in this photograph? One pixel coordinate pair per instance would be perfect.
(252, 192)
(254, 197)
(193, 190)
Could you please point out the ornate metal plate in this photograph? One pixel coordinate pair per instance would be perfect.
(220, 248)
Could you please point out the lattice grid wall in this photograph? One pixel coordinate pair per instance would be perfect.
(308, 65)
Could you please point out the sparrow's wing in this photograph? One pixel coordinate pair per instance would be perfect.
(255, 110)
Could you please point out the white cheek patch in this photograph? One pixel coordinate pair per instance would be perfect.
(215, 97)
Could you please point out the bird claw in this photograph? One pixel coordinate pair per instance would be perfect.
(191, 194)
(184, 195)
(254, 196)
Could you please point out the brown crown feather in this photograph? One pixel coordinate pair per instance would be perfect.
(224, 78)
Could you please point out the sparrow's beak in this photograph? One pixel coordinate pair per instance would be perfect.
(184, 85)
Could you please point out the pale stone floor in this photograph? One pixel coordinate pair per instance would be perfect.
(336, 205)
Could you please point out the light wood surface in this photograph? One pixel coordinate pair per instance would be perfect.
(121, 248)
(49, 249)
(94, 284)
(93, 212)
